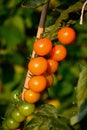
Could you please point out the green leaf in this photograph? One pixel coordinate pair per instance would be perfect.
(11, 36)
(47, 119)
(77, 118)
(82, 87)
(34, 3)
(81, 97)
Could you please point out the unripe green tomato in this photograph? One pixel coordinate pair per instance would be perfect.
(4, 125)
(14, 97)
(26, 109)
(11, 123)
(17, 116)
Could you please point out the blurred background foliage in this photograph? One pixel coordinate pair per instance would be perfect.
(18, 28)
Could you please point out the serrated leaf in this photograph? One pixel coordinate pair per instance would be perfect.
(82, 88)
(47, 119)
(33, 3)
(47, 110)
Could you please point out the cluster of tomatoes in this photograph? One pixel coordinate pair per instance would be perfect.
(41, 69)
(46, 63)
(18, 115)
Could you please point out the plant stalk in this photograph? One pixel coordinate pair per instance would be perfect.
(39, 32)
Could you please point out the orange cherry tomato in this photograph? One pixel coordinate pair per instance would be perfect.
(50, 80)
(38, 66)
(42, 46)
(37, 83)
(66, 35)
(52, 66)
(31, 96)
(58, 52)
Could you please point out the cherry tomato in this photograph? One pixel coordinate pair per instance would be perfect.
(17, 116)
(31, 96)
(37, 83)
(38, 66)
(4, 125)
(50, 80)
(14, 97)
(52, 66)
(11, 123)
(26, 109)
(58, 52)
(66, 35)
(42, 46)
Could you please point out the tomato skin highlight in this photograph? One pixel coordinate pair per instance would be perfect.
(42, 46)
(66, 35)
(26, 108)
(37, 83)
(38, 66)
(58, 53)
(31, 96)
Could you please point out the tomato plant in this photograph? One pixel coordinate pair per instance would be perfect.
(66, 35)
(42, 46)
(26, 109)
(58, 52)
(37, 83)
(31, 96)
(38, 66)
(17, 28)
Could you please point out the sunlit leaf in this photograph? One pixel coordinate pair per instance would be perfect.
(81, 97)
(82, 87)
(47, 119)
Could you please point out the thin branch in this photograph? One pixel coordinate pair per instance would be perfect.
(82, 12)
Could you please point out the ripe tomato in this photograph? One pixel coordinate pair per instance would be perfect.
(31, 96)
(11, 123)
(17, 116)
(66, 35)
(58, 52)
(52, 66)
(42, 46)
(50, 80)
(26, 108)
(37, 83)
(38, 66)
